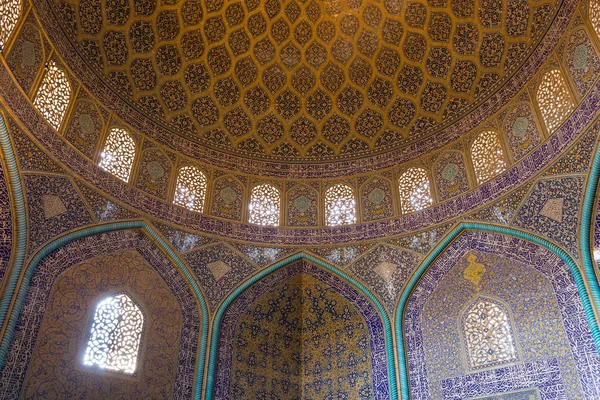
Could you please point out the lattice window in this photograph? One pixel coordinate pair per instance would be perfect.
(54, 95)
(265, 204)
(487, 155)
(191, 189)
(115, 335)
(9, 15)
(118, 153)
(415, 192)
(340, 205)
(595, 15)
(487, 334)
(554, 99)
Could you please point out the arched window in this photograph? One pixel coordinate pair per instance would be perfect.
(595, 15)
(487, 156)
(115, 335)
(554, 99)
(415, 193)
(54, 95)
(118, 153)
(487, 334)
(190, 191)
(9, 15)
(265, 203)
(340, 205)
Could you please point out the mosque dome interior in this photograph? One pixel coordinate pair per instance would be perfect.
(300, 199)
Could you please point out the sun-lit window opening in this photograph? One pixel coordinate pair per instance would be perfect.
(488, 334)
(118, 153)
(265, 204)
(595, 15)
(340, 205)
(53, 97)
(9, 15)
(487, 155)
(554, 99)
(414, 188)
(190, 190)
(115, 335)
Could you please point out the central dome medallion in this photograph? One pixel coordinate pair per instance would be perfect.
(313, 80)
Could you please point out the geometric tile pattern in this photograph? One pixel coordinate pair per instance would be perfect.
(385, 270)
(552, 210)
(67, 212)
(30, 156)
(230, 270)
(577, 159)
(290, 79)
(103, 208)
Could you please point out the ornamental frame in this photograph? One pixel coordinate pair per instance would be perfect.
(469, 172)
(286, 203)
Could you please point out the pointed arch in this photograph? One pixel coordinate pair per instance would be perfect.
(115, 334)
(10, 11)
(340, 205)
(186, 274)
(190, 189)
(450, 238)
(553, 99)
(487, 333)
(353, 283)
(18, 258)
(594, 15)
(118, 153)
(487, 156)
(585, 232)
(265, 205)
(415, 190)
(54, 95)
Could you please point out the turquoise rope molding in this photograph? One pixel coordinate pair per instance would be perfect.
(21, 245)
(585, 232)
(443, 245)
(16, 188)
(95, 230)
(387, 326)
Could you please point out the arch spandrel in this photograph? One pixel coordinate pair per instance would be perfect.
(507, 266)
(221, 366)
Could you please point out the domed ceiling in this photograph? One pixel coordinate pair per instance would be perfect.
(306, 80)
